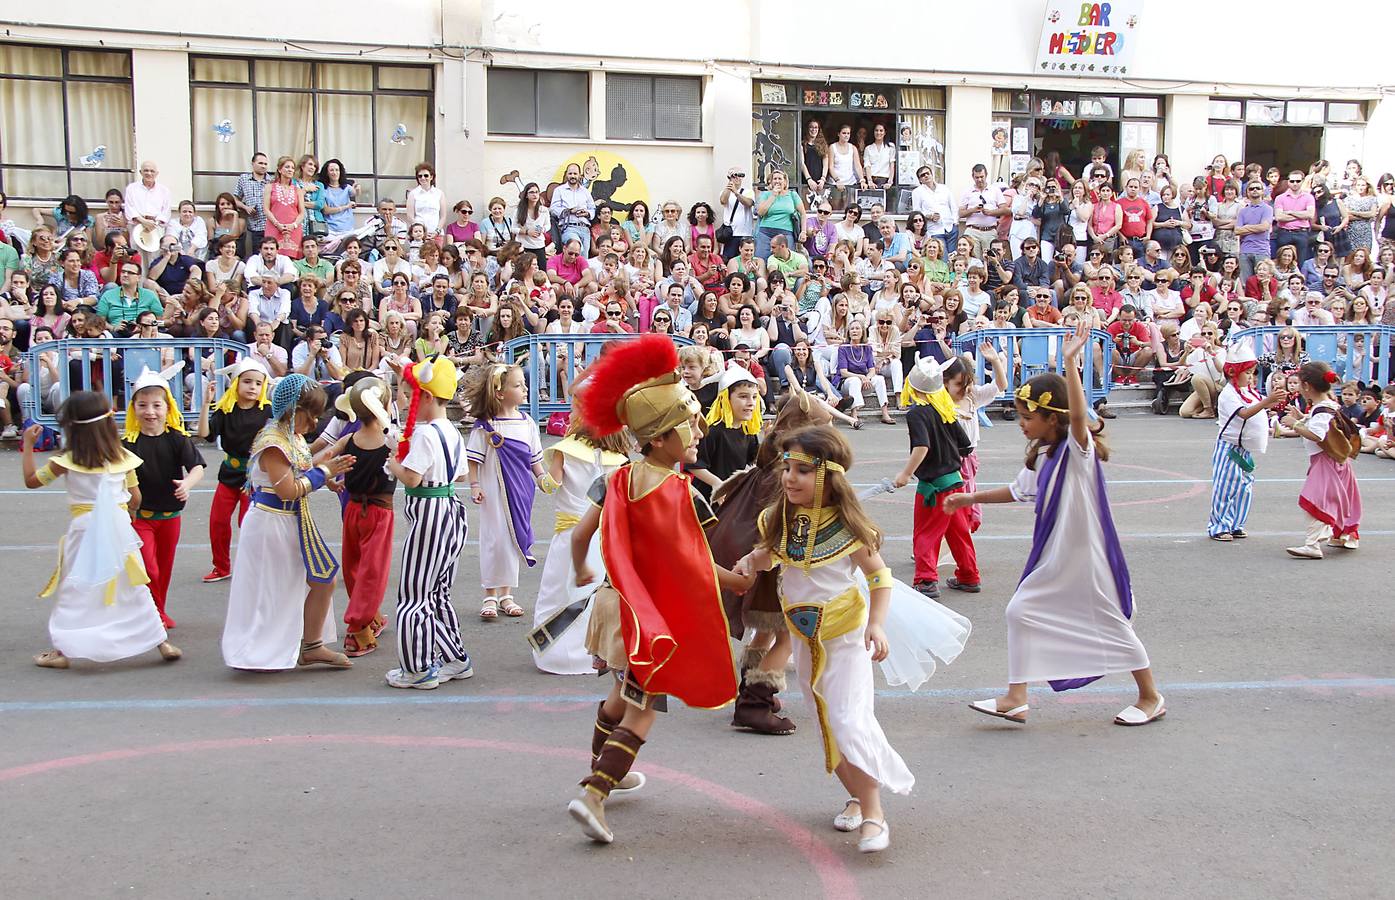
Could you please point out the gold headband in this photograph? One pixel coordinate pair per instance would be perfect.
(813, 460)
(1024, 393)
(822, 467)
(496, 378)
(105, 415)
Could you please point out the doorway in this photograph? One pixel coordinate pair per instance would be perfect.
(1073, 138)
(1287, 147)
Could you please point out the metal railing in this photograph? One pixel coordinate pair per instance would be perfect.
(1367, 347)
(1028, 352)
(110, 365)
(551, 363)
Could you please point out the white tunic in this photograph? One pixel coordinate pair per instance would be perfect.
(99, 545)
(499, 553)
(567, 655)
(1064, 621)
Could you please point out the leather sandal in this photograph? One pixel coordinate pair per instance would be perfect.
(51, 659)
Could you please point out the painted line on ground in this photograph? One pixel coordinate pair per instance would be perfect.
(439, 698)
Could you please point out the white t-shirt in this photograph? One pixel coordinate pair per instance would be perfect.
(426, 457)
(876, 161)
(743, 222)
(1251, 433)
(975, 398)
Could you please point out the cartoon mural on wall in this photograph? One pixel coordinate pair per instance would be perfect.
(607, 175)
(767, 150)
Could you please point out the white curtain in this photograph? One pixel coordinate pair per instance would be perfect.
(400, 158)
(345, 132)
(213, 106)
(284, 124)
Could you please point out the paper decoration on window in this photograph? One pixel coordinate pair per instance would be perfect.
(225, 131)
(400, 135)
(95, 158)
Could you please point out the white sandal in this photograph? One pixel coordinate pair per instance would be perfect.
(1016, 715)
(849, 822)
(1132, 715)
(877, 842)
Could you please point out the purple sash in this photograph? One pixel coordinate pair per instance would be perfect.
(1048, 503)
(516, 481)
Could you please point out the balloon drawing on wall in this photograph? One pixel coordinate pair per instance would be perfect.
(400, 135)
(95, 158)
(225, 131)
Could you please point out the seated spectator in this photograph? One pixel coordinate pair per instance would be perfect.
(48, 312)
(359, 345)
(692, 288)
(270, 262)
(783, 259)
(432, 340)
(1133, 349)
(1029, 269)
(1043, 312)
(568, 272)
(614, 321)
(1310, 311)
(189, 230)
(394, 337)
(672, 304)
(317, 358)
(313, 265)
(392, 263)
(180, 309)
(50, 390)
(307, 308)
(399, 301)
(121, 303)
(77, 286)
(271, 303)
(172, 268)
(440, 298)
(225, 271)
(116, 250)
(265, 349)
(1104, 297)
(707, 267)
(1206, 360)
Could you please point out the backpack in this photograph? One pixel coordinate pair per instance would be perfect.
(1342, 443)
(48, 440)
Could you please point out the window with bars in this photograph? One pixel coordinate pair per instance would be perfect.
(539, 104)
(66, 122)
(653, 107)
(376, 119)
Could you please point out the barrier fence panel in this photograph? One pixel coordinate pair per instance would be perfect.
(54, 369)
(1355, 352)
(1027, 352)
(551, 363)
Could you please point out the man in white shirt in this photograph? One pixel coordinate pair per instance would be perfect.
(980, 208)
(264, 349)
(1311, 311)
(737, 205)
(316, 357)
(573, 208)
(270, 303)
(147, 202)
(269, 262)
(934, 202)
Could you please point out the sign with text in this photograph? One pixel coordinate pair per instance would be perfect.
(1090, 39)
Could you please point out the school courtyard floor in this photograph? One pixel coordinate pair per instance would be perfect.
(1269, 777)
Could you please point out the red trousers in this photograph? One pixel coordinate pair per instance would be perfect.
(225, 500)
(159, 539)
(930, 526)
(367, 558)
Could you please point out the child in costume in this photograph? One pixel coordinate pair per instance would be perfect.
(938, 448)
(233, 423)
(968, 399)
(505, 457)
(657, 622)
(280, 613)
(733, 431)
(368, 515)
(1243, 414)
(825, 543)
(430, 459)
(1068, 622)
(560, 617)
(102, 609)
(170, 468)
(1330, 496)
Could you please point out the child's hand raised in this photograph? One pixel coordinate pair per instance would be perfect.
(31, 437)
(1076, 343)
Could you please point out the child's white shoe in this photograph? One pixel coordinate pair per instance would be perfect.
(846, 821)
(877, 842)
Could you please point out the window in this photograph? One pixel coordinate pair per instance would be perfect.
(653, 107)
(539, 104)
(376, 119)
(65, 122)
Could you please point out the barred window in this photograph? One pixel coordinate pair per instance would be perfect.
(653, 107)
(539, 104)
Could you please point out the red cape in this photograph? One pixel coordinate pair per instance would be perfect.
(657, 558)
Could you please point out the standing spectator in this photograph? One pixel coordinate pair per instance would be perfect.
(425, 202)
(879, 159)
(250, 195)
(1137, 226)
(737, 203)
(1332, 228)
(813, 160)
(1363, 207)
(284, 206)
(780, 212)
(980, 208)
(1223, 213)
(534, 223)
(1294, 214)
(147, 202)
(338, 197)
(573, 208)
(845, 169)
(1252, 225)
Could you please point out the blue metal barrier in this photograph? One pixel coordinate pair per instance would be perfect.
(116, 362)
(1028, 352)
(561, 357)
(1322, 343)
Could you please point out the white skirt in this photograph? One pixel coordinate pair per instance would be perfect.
(919, 631)
(83, 626)
(1062, 627)
(847, 689)
(558, 590)
(266, 603)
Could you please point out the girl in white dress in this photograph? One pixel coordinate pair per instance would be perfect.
(283, 575)
(504, 452)
(825, 544)
(562, 612)
(1068, 622)
(102, 609)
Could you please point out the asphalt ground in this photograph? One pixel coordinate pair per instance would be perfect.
(1269, 777)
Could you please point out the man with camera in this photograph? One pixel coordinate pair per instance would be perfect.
(1065, 271)
(980, 208)
(1133, 349)
(121, 304)
(738, 218)
(318, 359)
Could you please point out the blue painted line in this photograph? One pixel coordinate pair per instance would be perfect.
(435, 698)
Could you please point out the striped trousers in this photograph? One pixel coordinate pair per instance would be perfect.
(1231, 490)
(428, 632)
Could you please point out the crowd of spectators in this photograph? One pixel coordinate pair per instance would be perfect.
(800, 282)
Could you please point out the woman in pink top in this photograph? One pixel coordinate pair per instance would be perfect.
(285, 209)
(1106, 219)
(462, 229)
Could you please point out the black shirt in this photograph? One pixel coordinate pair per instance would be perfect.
(367, 475)
(235, 431)
(724, 451)
(946, 442)
(164, 457)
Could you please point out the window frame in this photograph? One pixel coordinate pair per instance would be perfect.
(652, 78)
(370, 173)
(585, 76)
(64, 78)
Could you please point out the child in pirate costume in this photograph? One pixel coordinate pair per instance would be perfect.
(505, 467)
(430, 459)
(170, 468)
(368, 514)
(280, 613)
(1330, 496)
(561, 615)
(938, 449)
(233, 423)
(840, 601)
(657, 623)
(733, 431)
(1244, 431)
(102, 610)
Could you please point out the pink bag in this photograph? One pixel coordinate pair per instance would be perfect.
(558, 423)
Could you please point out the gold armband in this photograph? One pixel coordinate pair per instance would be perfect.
(46, 475)
(305, 487)
(880, 578)
(546, 483)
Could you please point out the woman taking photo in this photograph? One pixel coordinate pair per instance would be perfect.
(1206, 360)
(779, 211)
